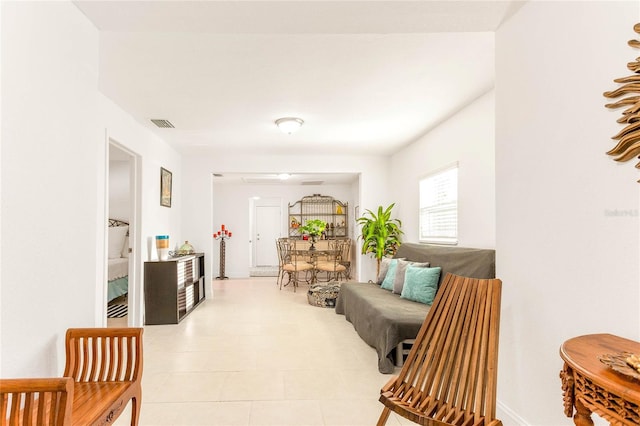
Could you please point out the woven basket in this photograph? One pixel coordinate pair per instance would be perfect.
(323, 295)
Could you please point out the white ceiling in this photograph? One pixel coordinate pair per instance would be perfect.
(292, 179)
(365, 76)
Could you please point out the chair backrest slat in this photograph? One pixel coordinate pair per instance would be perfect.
(36, 402)
(107, 354)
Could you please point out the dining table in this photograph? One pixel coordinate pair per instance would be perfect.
(321, 249)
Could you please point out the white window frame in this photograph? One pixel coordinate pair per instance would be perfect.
(442, 206)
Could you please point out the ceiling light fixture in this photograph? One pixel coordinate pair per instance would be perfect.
(284, 176)
(289, 124)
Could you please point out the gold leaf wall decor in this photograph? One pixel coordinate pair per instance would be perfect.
(628, 139)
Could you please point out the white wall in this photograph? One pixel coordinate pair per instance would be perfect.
(234, 212)
(568, 267)
(49, 203)
(199, 207)
(54, 151)
(468, 138)
(153, 154)
(119, 189)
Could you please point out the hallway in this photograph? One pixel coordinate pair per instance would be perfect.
(255, 355)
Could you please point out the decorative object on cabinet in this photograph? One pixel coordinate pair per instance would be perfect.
(165, 187)
(623, 363)
(628, 145)
(319, 207)
(172, 289)
(186, 248)
(222, 235)
(162, 246)
(380, 234)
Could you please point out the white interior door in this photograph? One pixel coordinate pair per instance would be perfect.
(267, 228)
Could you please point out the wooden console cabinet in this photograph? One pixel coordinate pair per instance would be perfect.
(589, 385)
(173, 288)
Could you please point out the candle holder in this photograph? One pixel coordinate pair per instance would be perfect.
(222, 235)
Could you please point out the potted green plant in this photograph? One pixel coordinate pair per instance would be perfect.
(380, 234)
(314, 229)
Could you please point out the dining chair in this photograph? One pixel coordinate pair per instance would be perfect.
(295, 262)
(346, 258)
(450, 375)
(333, 264)
(281, 249)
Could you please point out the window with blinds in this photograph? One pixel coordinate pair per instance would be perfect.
(439, 207)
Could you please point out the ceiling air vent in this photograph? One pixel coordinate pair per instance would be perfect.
(312, 182)
(164, 124)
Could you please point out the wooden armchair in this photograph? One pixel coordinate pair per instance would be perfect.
(106, 366)
(103, 372)
(36, 402)
(450, 375)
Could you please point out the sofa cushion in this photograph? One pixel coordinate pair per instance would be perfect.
(467, 262)
(401, 268)
(421, 284)
(387, 283)
(381, 318)
(384, 267)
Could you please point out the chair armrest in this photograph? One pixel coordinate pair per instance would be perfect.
(36, 401)
(104, 354)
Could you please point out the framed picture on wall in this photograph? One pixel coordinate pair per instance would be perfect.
(165, 187)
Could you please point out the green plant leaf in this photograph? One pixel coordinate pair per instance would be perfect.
(313, 227)
(381, 235)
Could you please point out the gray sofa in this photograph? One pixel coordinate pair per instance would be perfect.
(383, 319)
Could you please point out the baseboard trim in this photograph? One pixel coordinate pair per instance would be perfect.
(263, 271)
(509, 417)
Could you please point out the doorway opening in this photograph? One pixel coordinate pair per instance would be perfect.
(121, 285)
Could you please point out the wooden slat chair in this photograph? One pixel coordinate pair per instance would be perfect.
(450, 375)
(106, 366)
(36, 402)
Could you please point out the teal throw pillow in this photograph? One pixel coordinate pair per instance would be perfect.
(421, 284)
(387, 283)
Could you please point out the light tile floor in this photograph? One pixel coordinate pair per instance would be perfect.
(256, 355)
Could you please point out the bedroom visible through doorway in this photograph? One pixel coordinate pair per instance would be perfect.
(119, 227)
